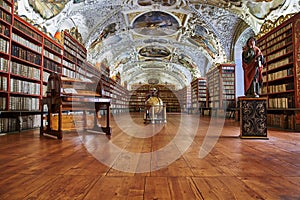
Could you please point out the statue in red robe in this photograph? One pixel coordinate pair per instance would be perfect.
(252, 62)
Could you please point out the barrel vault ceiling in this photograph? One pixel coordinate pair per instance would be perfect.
(156, 41)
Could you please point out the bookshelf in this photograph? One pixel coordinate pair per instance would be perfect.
(6, 13)
(166, 92)
(28, 57)
(119, 97)
(74, 57)
(281, 48)
(184, 96)
(20, 71)
(221, 88)
(198, 94)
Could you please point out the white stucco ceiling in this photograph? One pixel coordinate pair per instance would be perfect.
(200, 34)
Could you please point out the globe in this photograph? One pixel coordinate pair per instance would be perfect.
(155, 102)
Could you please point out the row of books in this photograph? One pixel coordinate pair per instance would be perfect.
(45, 76)
(228, 95)
(52, 46)
(279, 45)
(280, 63)
(74, 48)
(70, 56)
(3, 83)
(68, 43)
(282, 52)
(281, 121)
(24, 103)
(228, 83)
(5, 16)
(69, 64)
(281, 87)
(69, 73)
(228, 75)
(280, 37)
(25, 70)
(4, 30)
(4, 45)
(49, 64)
(3, 103)
(81, 55)
(280, 74)
(228, 91)
(70, 50)
(281, 102)
(230, 68)
(52, 56)
(279, 32)
(25, 87)
(26, 43)
(26, 55)
(12, 125)
(5, 5)
(202, 87)
(27, 30)
(3, 64)
(83, 72)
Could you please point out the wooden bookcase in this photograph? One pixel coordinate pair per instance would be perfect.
(6, 10)
(198, 94)
(281, 48)
(166, 92)
(119, 96)
(221, 88)
(184, 96)
(27, 58)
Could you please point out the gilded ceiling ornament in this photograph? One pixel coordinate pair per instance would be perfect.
(153, 2)
(75, 33)
(49, 8)
(268, 25)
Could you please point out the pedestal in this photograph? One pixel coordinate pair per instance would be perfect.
(253, 117)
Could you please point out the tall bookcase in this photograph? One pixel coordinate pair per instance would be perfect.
(27, 57)
(6, 10)
(166, 92)
(198, 94)
(221, 87)
(184, 96)
(74, 57)
(281, 48)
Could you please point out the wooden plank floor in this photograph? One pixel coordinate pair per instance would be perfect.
(34, 167)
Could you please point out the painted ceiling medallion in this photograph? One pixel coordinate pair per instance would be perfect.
(155, 23)
(153, 81)
(161, 2)
(154, 51)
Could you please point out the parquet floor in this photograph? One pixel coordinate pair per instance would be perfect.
(188, 158)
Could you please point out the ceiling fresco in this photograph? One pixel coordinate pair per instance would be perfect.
(155, 23)
(169, 41)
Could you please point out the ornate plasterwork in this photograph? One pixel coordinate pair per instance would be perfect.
(119, 45)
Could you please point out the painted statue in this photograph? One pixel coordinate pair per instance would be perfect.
(253, 63)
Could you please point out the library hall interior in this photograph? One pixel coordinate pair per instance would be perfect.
(150, 99)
